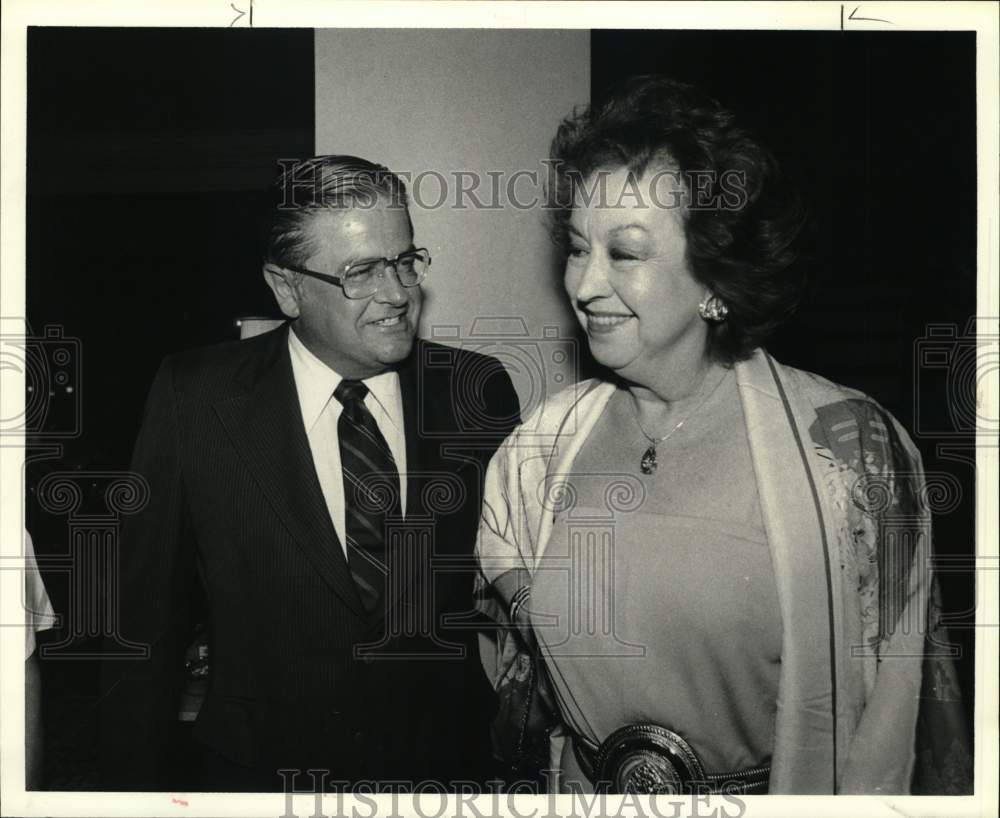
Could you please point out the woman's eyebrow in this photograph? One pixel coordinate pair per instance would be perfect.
(631, 226)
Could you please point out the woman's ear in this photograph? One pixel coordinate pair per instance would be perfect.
(285, 293)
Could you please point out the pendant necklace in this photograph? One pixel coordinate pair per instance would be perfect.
(648, 464)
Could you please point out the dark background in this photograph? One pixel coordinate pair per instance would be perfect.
(149, 151)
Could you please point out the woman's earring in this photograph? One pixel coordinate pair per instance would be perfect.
(713, 309)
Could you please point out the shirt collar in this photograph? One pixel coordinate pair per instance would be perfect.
(315, 383)
(384, 387)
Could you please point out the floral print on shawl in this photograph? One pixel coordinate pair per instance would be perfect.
(878, 488)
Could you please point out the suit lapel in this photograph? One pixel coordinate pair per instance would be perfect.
(265, 426)
(423, 462)
(414, 411)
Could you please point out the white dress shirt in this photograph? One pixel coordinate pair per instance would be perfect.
(38, 612)
(315, 383)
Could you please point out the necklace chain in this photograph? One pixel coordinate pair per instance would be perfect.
(648, 462)
(658, 440)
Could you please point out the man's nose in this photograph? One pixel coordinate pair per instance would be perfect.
(390, 291)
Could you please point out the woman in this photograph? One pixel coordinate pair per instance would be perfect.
(716, 555)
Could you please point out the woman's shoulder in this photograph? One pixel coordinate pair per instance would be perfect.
(839, 407)
(552, 412)
(821, 391)
(818, 386)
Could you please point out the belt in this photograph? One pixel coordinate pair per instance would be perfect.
(649, 759)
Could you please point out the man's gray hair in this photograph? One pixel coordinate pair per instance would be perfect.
(305, 187)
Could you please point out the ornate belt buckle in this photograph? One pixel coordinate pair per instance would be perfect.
(646, 759)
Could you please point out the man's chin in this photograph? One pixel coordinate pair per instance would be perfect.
(393, 351)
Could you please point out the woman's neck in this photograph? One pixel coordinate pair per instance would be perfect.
(671, 397)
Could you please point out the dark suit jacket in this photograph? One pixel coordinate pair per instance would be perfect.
(234, 494)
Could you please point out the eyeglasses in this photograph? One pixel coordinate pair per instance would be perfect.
(361, 279)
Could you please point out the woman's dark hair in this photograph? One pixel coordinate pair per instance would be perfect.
(742, 216)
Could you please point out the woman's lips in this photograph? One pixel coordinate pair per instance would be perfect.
(605, 322)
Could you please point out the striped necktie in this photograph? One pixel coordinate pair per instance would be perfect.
(371, 492)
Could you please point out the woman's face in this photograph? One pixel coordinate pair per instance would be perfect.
(628, 278)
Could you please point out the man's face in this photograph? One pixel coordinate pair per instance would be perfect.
(357, 337)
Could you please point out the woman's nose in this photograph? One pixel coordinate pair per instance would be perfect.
(593, 279)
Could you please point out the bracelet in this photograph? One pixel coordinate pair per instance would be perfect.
(517, 601)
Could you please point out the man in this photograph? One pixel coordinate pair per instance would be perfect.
(325, 480)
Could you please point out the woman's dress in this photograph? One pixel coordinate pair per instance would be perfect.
(656, 601)
(866, 698)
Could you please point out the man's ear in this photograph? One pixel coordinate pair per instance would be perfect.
(285, 294)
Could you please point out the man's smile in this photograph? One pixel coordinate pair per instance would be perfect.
(389, 321)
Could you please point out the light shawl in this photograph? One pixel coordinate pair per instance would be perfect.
(845, 510)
